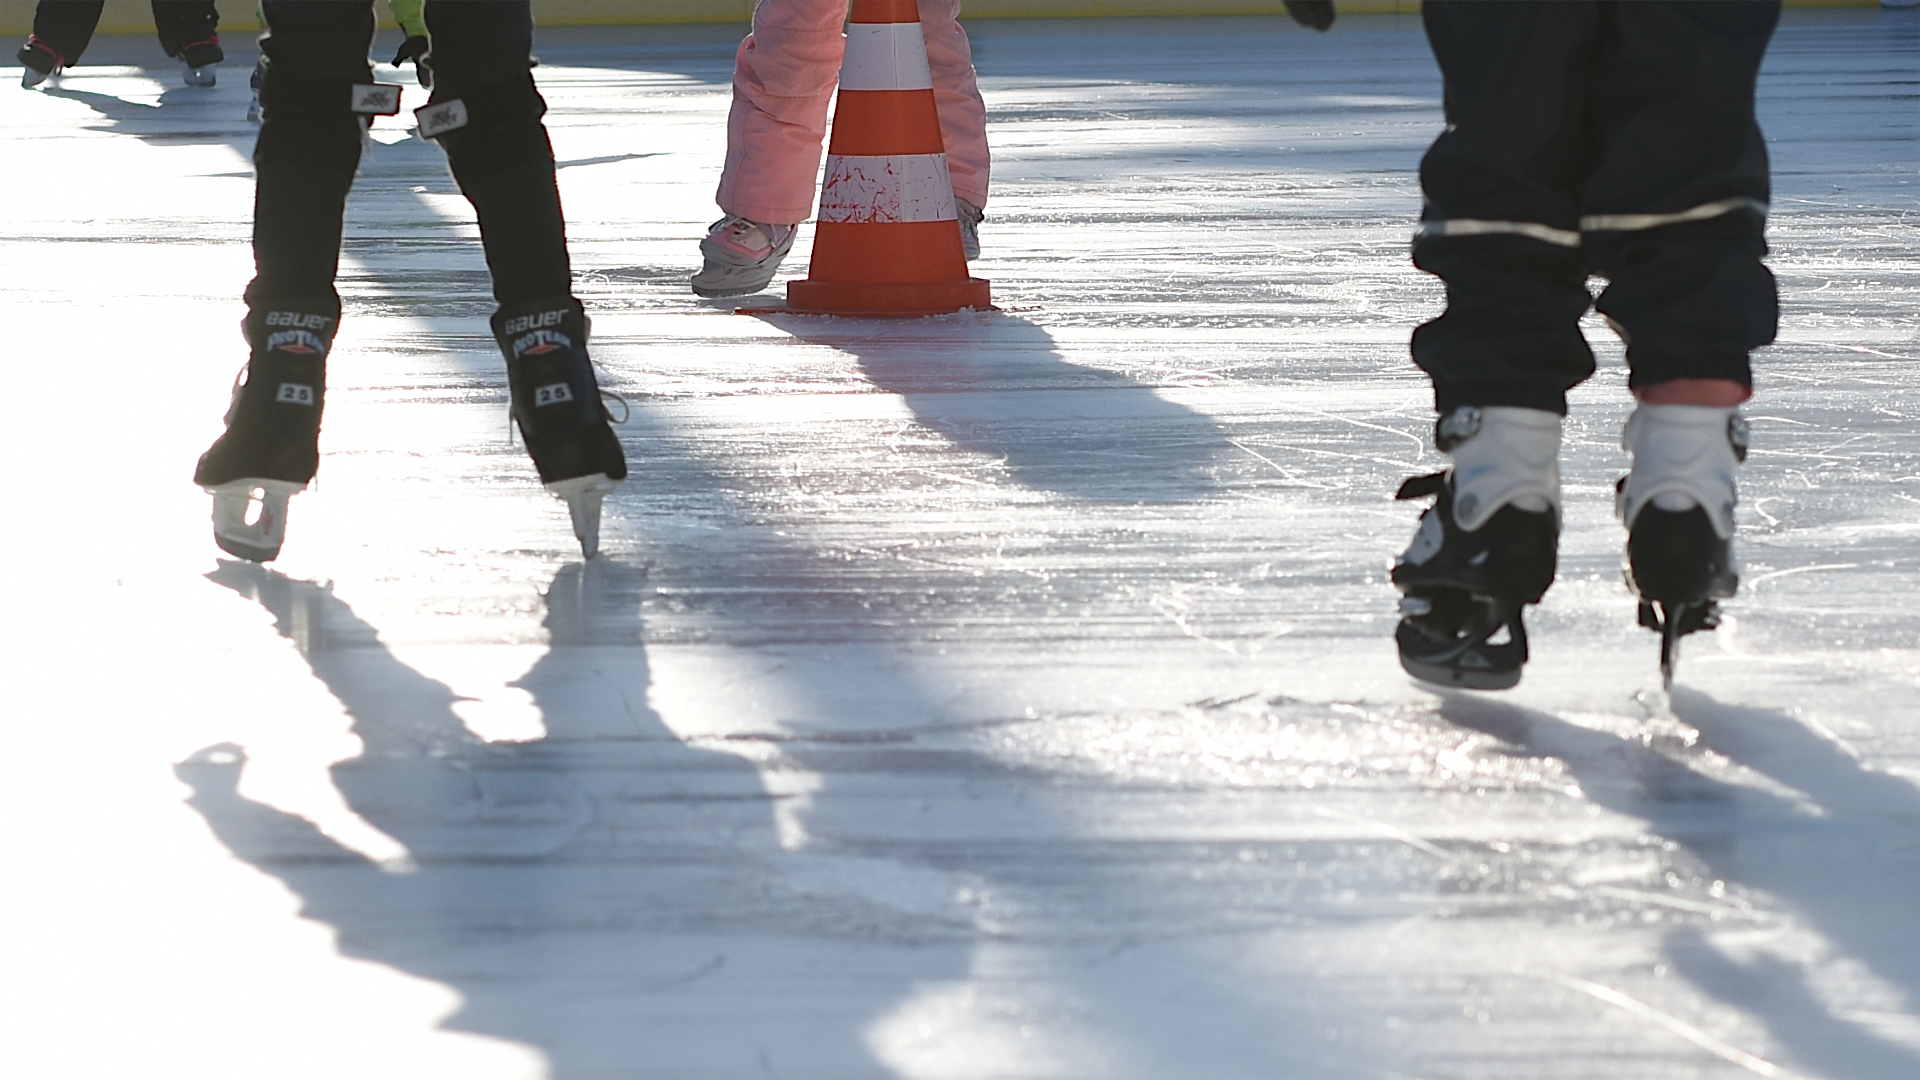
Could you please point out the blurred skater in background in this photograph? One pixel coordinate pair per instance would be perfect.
(784, 76)
(63, 28)
(316, 97)
(1585, 138)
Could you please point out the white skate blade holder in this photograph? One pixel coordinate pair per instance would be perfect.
(583, 495)
(250, 516)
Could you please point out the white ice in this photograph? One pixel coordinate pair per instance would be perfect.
(1000, 695)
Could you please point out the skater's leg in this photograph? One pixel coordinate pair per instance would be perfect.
(1675, 210)
(783, 80)
(309, 142)
(485, 112)
(304, 159)
(1674, 217)
(1502, 217)
(495, 143)
(189, 32)
(61, 31)
(956, 93)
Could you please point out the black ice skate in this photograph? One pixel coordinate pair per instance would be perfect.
(556, 403)
(271, 447)
(202, 60)
(1486, 548)
(1678, 504)
(38, 62)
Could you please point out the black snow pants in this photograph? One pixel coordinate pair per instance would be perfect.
(485, 114)
(67, 26)
(1594, 137)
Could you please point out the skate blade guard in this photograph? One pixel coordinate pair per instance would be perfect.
(250, 516)
(583, 496)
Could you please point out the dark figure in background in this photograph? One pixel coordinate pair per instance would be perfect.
(1585, 137)
(317, 96)
(63, 28)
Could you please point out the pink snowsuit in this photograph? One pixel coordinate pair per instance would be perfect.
(785, 74)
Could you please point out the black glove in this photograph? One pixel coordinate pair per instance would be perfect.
(1314, 14)
(415, 49)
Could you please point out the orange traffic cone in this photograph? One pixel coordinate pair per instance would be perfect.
(887, 241)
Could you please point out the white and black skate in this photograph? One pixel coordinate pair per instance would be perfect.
(1486, 548)
(1677, 503)
(271, 447)
(556, 404)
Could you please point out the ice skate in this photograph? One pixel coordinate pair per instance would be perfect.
(1485, 549)
(271, 447)
(970, 218)
(38, 63)
(556, 404)
(741, 256)
(1677, 504)
(202, 60)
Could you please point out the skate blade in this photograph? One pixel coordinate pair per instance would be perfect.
(204, 75)
(1458, 678)
(583, 495)
(260, 539)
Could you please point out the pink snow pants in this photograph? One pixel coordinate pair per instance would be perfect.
(783, 78)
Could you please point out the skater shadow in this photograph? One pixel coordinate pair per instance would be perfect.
(1845, 861)
(995, 384)
(608, 857)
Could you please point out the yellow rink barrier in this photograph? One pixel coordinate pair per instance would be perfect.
(237, 16)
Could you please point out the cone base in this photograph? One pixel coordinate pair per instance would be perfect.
(851, 298)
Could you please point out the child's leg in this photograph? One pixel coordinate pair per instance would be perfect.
(66, 26)
(963, 115)
(1502, 218)
(181, 23)
(1675, 210)
(783, 80)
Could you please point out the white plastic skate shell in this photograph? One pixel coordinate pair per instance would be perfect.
(583, 495)
(250, 516)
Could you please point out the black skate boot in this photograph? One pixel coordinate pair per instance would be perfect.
(1486, 548)
(556, 404)
(38, 62)
(202, 59)
(1677, 504)
(271, 447)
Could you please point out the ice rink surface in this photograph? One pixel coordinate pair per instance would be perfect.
(999, 695)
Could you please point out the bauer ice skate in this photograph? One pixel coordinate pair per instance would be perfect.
(556, 404)
(1484, 550)
(271, 447)
(1677, 503)
(741, 256)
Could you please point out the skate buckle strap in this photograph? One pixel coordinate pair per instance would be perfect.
(375, 99)
(1456, 427)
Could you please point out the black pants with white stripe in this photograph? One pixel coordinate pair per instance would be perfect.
(1594, 137)
(309, 146)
